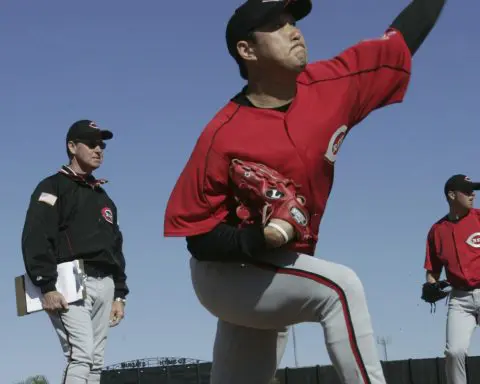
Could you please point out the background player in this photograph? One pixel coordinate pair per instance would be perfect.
(453, 243)
(292, 117)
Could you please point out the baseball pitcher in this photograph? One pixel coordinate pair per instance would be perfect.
(253, 192)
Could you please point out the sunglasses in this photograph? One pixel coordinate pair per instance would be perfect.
(92, 144)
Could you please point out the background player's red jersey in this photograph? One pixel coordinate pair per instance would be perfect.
(455, 246)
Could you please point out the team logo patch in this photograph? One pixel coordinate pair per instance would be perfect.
(298, 216)
(274, 194)
(335, 143)
(474, 240)
(107, 214)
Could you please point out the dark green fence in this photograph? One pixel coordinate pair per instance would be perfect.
(418, 371)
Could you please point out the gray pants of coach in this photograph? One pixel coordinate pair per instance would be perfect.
(462, 319)
(83, 331)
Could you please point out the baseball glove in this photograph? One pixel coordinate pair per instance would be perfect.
(264, 194)
(433, 292)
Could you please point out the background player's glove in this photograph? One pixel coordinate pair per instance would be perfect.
(433, 292)
(265, 194)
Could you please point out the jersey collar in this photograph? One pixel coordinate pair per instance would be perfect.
(242, 99)
(89, 179)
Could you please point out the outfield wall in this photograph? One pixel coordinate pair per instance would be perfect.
(412, 371)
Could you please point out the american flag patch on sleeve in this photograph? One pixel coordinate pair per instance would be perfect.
(48, 198)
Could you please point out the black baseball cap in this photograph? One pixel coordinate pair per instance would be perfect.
(461, 183)
(87, 130)
(253, 14)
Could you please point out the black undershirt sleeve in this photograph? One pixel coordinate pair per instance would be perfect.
(226, 242)
(417, 20)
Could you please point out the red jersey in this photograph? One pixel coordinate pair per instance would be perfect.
(332, 97)
(455, 246)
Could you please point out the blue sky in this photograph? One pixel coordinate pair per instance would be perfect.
(155, 74)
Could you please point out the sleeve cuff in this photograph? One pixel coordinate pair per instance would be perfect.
(254, 240)
(120, 294)
(121, 287)
(49, 287)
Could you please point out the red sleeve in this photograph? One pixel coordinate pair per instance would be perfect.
(432, 262)
(377, 71)
(197, 202)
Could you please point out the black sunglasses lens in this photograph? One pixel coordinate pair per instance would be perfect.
(92, 144)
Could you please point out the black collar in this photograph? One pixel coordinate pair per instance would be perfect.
(242, 99)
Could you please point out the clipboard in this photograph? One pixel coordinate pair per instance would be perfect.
(70, 283)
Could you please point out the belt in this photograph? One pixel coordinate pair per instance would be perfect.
(96, 271)
(467, 289)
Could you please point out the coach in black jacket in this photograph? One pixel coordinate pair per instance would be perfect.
(70, 216)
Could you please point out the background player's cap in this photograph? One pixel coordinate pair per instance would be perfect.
(87, 130)
(254, 13)
(461, 183)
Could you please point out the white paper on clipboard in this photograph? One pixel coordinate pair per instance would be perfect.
(70, 283)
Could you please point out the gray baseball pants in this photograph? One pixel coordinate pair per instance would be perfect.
(462, 319)
(83, 332)
(256, 304)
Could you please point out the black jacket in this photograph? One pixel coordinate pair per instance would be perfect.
(70, 217)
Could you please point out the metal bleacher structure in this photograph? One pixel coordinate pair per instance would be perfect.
(160, 370)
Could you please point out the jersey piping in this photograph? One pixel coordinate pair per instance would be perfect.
(357, 73)
(207, 158)
(298, 272)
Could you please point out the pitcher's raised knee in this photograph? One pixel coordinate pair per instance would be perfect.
(350, 282)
